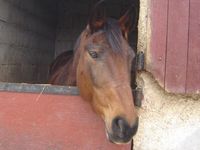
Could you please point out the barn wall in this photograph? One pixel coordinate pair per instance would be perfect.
(169, 36)
(27, 35)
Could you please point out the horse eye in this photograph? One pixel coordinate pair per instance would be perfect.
(93, 54)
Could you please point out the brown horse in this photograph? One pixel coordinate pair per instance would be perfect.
(101, 69)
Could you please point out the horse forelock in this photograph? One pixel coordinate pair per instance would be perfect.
(113, 35)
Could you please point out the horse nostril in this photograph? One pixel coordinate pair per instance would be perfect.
(122, 131)
(119, 126)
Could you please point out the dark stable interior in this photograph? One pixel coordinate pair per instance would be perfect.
(34, 32)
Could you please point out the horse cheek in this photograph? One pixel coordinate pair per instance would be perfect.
(84, 85)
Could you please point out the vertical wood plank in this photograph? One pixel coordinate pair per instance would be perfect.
(177, 46)
(159, 11)
(193, 70)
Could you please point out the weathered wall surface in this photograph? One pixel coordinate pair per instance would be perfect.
(27, 35)
(143, 27)
(167, 121)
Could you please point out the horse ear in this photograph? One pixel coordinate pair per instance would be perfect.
(97, 18)
(128, 21)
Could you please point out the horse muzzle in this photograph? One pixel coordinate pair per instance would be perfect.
(122, 132)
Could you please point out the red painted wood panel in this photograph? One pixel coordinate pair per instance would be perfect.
(177, 45)
(193, 71)
(44, 122)
(159, 11)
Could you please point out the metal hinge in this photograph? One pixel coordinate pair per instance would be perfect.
(138, 91)
(140, 61)
(138, 96)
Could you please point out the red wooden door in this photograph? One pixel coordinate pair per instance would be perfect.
(50, 122)
(175, 44)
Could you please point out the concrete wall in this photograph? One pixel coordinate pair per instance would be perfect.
(27, 35)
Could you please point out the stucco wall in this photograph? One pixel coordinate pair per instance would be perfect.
(144, 30)
(167, 121)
